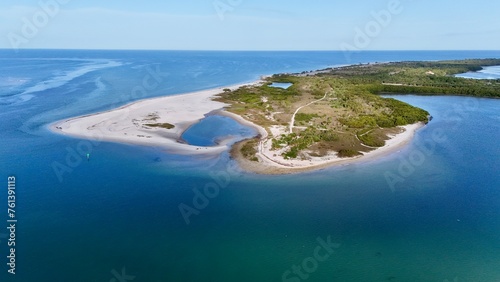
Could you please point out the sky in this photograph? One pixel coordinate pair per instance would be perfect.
(251, 24)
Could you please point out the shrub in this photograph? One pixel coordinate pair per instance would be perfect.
(160, 125)
(248, 150)
(385, 121)
(348, 153)
(360, 122)
(291, 154)
(301, 117)
(372, 141)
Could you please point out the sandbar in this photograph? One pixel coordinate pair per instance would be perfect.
(129, 124)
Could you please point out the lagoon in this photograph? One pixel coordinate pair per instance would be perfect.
(215, 130)
(281, 85)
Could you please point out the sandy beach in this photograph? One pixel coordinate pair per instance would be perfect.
(270, 162)
(129, 124)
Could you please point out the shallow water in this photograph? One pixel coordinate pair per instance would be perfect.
(214, 130)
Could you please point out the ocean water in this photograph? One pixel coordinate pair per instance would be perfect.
(429, 212)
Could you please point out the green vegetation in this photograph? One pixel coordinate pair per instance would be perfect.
(347, 153)
(371, 139)
(248, 150)
(297, 142)
(352, 117)
(431, 78)
(305, 118)
(161, 125)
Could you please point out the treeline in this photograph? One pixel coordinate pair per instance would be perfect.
(448, 67)
(490, 92)
(429, 78)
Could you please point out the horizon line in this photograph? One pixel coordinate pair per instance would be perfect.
(257, 50)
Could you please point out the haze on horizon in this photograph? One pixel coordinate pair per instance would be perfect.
(251, 25)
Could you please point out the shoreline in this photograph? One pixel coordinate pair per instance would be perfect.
(128, 124)
(267, 166)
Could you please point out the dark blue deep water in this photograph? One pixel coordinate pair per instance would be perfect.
(430, 212)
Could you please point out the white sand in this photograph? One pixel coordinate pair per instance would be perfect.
(273, 159)
(127, 125)
(396, 142)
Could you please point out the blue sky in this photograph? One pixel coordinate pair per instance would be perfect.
(252, 24)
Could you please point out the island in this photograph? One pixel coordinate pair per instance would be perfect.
(304, 121)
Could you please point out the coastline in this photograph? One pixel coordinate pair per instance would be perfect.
(268, 166)
(128, 124)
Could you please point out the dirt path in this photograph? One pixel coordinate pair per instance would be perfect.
(292, 122)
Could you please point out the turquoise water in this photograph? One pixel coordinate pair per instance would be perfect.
(436, 219)
(214, 130)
